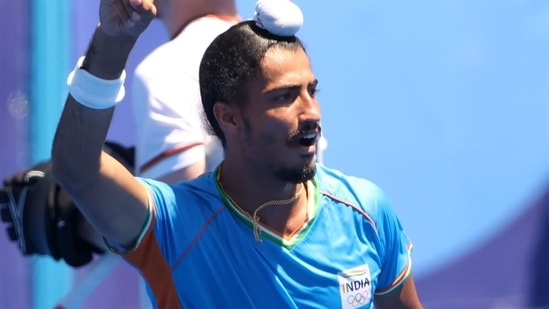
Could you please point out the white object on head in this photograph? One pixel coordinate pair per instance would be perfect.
(279, 17)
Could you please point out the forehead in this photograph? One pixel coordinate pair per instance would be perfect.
(282, 66)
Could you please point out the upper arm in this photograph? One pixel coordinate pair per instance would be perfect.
(108, 195)
(396, 287)
(404, 296)
(116, 204)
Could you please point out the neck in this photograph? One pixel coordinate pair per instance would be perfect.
(252, 189)
(179, 13)
(284, 213)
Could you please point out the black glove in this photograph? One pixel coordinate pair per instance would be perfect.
(42, 218)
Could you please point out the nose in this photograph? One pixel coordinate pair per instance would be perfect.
(310, 108)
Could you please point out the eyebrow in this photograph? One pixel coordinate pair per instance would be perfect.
(292, 87)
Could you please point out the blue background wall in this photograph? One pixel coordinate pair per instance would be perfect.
(444, 104)
(14, 55)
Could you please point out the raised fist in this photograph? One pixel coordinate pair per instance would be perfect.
(126, 17)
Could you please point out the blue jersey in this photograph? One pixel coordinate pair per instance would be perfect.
(200, 251)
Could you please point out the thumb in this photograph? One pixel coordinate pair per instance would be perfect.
(144, 6)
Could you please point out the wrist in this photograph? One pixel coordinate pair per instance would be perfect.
(95, 92)
(107, 55)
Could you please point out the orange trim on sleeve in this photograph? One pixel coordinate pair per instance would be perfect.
(355, 207)
(147, 165)
(150, 261)
(402, 276)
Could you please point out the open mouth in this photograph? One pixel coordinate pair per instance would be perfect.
(308, 139)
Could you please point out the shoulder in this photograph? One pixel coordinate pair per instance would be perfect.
(165, 55)
(197, 190)
(361, 194)
(206, 27)
(192, 42)
(351, 188)
(180, 57)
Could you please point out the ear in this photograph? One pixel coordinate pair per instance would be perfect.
(227, 116)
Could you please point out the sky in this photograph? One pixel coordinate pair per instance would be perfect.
(443, 104)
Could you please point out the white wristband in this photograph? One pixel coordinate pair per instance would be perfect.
(94, 92)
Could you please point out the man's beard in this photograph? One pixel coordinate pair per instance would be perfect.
(292, 174)
(296, 175)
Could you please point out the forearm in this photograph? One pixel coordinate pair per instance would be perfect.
(78, 144)
(106, 56)
(82, 131)
(107, 194)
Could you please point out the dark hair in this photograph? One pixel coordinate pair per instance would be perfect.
(231, 61)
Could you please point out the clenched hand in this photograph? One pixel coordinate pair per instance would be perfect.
(126, 17)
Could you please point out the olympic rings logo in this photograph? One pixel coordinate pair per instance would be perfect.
(358, 299)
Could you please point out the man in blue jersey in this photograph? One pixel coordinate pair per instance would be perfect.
(269, 227)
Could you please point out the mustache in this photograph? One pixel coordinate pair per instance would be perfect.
(306, 131)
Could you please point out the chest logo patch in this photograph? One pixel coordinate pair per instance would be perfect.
(355, 287)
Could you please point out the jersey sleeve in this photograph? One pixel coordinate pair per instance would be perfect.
(150, 254)
(156, 208)
(163, 209)
(396, 249)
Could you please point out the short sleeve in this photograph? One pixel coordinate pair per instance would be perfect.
(155, 190)
(396, 249)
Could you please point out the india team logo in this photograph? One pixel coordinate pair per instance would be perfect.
(355, 287)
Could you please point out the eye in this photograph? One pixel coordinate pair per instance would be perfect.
(313, 90)
(285, 97)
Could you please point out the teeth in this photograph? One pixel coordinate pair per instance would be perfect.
(308, 139)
